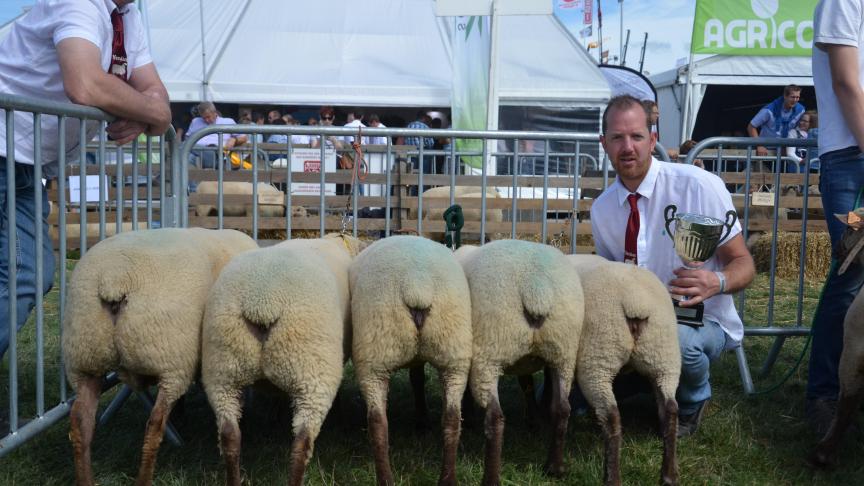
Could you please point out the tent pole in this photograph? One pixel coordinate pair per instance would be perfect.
(688, 93)
(492, 101)
(203, 53)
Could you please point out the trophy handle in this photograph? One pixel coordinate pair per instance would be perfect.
(731, 217)
(669, 215)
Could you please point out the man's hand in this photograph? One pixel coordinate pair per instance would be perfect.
(761, 151)
(696, 285)
(125, 131)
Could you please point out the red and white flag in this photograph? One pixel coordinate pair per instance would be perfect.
(588, 12)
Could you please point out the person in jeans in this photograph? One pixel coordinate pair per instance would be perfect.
(90, 52)
(838, 76)
(628, 224)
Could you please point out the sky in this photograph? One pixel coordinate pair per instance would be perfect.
(669, 24)
(9, 9)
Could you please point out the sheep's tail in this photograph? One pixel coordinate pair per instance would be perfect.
(417, 295)
(261, 309)
(538, 300)
(116, 284)
(637, 312)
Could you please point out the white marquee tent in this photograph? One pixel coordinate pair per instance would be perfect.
(342, 52)
(716, 70)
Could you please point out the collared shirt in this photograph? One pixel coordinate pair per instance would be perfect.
(427, 142)
(29, 65)
(692, 190)
(198, 124)
(349, 139)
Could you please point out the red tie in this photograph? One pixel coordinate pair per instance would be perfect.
(118, 65)
(632, 230)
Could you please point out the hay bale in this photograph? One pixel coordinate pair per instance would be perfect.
(817, 258)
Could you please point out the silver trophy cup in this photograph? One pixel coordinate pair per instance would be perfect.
(695, 239)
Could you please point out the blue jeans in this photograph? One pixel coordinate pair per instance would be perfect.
(25, 222)
(699, 347)
(841, 179)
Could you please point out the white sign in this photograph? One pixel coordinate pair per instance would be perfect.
(91, 183)
(308, 160)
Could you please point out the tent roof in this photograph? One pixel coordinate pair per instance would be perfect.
(342, 52)
(742, 70)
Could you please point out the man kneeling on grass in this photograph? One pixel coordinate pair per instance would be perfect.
(628, 223)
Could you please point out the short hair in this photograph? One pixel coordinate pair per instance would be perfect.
(422, 114)
(649, 104)
(791, 88)
(205, 106)
(278, 113)
(327, 110)
(814, 118)
(624, 102)
(686, 147)
(373, 117)
(278, 121)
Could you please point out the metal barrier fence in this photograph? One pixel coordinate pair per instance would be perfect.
(69, 193)
(497, 161)
(560, 172)
(772, 166)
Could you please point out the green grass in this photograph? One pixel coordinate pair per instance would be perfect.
(755, 440)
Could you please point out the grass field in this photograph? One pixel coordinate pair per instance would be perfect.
(743, 440)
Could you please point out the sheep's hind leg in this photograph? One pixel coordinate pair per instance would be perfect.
(851, 396)
(153, 437)
(596, 385)
(494, 429)
(560, 415)
(453, 384)
(667, 408)
(375, 393)
(82, 419)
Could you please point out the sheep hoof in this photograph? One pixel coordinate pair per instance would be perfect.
(555, 470)
(819, 459)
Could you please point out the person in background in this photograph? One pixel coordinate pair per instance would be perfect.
(838, 76)
(375, 122)
(654, 119)
(798, 154)
(328, 116)
(207, 116)
(89, 52)
(273, 115)
(775, 119)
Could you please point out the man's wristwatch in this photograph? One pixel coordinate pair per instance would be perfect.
(722, 279)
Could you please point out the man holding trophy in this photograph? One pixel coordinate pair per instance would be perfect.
(677, 221)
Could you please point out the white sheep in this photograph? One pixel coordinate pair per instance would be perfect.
(629, 321)
(135, 304)
(851, 370)
(280, 314)
(271, 201)
(410, 304)
(527, 310)
(460, 192)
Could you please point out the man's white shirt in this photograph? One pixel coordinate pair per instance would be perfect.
(30, 65)
(692, 190)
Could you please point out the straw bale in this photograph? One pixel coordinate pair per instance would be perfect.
(817, 257)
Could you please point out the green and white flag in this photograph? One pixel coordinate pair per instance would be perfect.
(471, 46)
(753, 27)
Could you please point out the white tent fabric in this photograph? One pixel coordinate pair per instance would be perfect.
(342, 52)
(719, 70)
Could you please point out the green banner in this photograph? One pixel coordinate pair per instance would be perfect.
(471, 45)
(753, 27)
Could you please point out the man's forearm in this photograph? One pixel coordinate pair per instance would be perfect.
(118, 98)
(739, 273)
